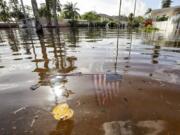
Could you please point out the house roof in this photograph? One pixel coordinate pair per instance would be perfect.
(124, 18)
(171, 11)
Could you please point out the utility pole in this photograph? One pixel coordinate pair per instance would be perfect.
(135, 8)
(117, 46)
(120, 3)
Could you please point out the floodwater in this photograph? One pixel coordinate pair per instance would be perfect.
(116, 82)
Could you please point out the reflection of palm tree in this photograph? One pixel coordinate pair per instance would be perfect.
(43, 72)
(60, 56)
(63, 128)
(64, 59)
(13, 40)
(24, 37)
(73, 37)
(94, 34)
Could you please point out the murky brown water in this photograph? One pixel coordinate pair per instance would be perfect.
(117, 84)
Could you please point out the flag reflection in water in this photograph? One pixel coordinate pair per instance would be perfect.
(106, 86)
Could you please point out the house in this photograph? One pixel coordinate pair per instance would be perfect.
(166, 19)
(105, 17)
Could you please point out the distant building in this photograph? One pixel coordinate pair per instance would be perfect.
(105, 17)
(169, 12)
(167, 19)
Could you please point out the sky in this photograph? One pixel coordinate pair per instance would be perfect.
(110, 7)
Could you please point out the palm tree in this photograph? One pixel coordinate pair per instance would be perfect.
(166, 3)
(15, 10)
(71, 11)
(55, 12)
(130, 19)
(4, 11)
(48, 11)
(148, 11)
(35, 9)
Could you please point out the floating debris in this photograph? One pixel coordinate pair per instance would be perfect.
(36, 86)
(62, 112)
(78, 103)
(18, 110)
(162, 84)
(34, 120)
(67, 93)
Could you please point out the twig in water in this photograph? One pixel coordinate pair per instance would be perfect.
(16, 111)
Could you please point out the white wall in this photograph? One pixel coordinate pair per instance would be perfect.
(168, 26)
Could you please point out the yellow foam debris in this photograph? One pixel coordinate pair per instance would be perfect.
(62, 112)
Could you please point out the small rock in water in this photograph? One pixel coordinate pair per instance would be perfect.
(34, 87)
(14, 128)
(178, 62)
(125, 99)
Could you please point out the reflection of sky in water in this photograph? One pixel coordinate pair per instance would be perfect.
(88, 51)
(130, 128)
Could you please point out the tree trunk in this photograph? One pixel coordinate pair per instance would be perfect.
(35, 9)
(55, 13)
(36, 15)
(49, 13)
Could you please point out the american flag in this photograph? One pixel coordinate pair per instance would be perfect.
(106, 87)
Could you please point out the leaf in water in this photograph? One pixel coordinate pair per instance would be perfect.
(62, 112)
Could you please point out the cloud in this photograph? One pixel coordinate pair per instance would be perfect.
(110, 7)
